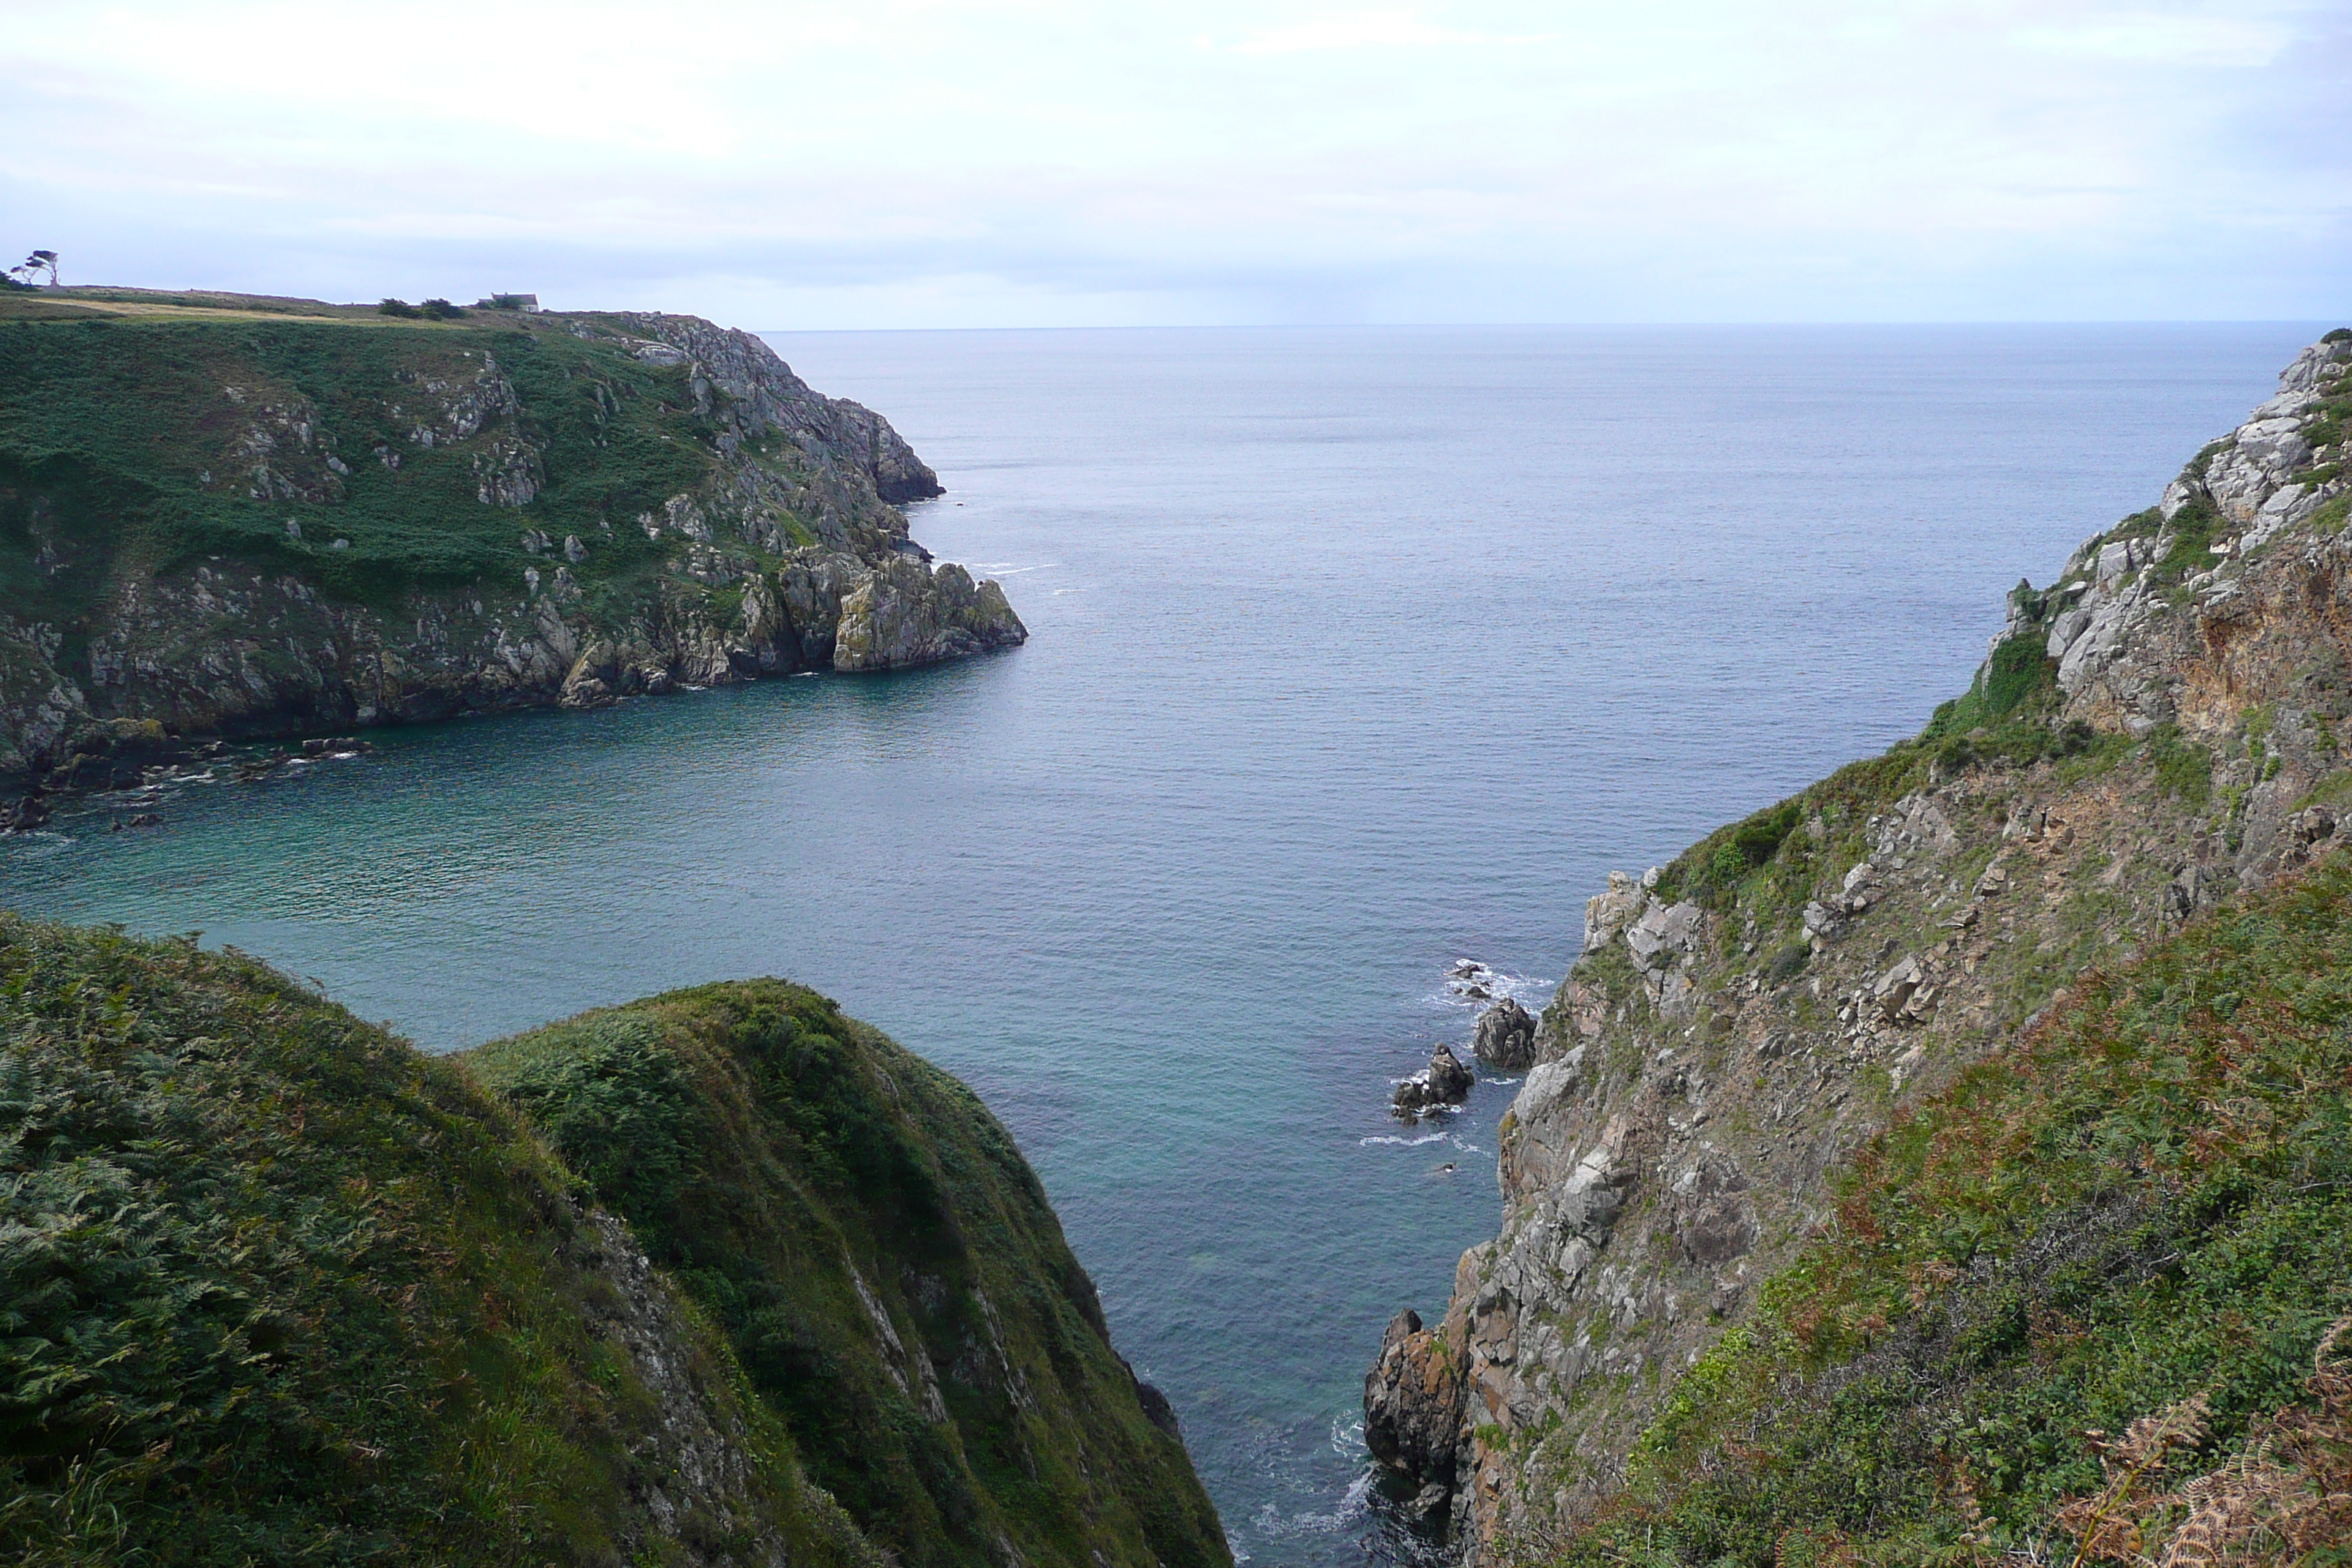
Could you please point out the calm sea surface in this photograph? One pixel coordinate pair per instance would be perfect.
(1354, 652)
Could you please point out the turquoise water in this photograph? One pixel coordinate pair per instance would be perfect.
(1354, 653)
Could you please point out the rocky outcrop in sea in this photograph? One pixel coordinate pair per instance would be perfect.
(1506, 1036)
(1445, 1081)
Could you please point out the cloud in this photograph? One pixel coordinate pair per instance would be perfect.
(2167, 39)
(1044, 162)
(1380, 29)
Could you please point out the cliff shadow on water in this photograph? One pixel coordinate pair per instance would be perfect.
(1949, 1164)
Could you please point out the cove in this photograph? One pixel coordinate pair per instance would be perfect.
(1353, 653)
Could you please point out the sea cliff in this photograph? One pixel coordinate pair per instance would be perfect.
(723, 1277)
(224, 515)
(1895, 1147)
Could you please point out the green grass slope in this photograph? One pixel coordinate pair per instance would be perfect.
(2076, 1307)
(130, 438)
(275, 1289)
(884, 1264)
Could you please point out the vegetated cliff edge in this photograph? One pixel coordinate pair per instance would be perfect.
(276, 1288)
(228, 515)
(1895, 1144)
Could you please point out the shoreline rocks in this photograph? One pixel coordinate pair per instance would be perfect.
(1445, 1081)
(1506, 1039)
(1725, 1045)
(1413, 1412)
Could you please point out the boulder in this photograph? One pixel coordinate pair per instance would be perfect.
(1664, 932)
(1414, 1403)
(1506, 1037)
(1445, 1081)
(1448, 1079)
(30, 811)
(907, 613)
(1606, 914)
(1895, 987)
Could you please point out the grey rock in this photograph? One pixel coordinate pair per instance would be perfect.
(1413, 1399)
(1664, 932)
(1445, 1081)
(906, 613)
(1607, 914)
(1506, 1037)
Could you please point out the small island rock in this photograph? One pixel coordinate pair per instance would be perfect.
(1506, 1037)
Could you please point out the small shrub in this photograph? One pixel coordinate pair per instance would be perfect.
(2192, 528)
(2183, 768)
(2020, 678)
(397, 308)
(439, 311)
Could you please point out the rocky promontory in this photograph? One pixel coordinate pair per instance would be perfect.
(1896, 1147)
(229, 516)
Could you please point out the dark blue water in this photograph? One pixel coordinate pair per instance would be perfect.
(1355, 652)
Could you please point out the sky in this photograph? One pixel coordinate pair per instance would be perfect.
(889, 164)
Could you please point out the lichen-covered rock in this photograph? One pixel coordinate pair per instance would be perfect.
(1413, 1401)
(906, 613)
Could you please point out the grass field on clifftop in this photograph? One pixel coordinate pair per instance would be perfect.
(149, 436)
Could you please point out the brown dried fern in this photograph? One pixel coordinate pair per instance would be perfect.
(2285, 1494)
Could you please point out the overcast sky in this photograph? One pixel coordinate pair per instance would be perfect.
(879, 163)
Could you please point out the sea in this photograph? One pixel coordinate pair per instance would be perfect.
(1357, 655)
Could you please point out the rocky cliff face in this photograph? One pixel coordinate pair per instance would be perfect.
(2159, 727)
(330, 521)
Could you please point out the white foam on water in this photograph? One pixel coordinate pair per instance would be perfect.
(1530, 990)
(37, 843)
(1402, 1142)
(1354, 1507)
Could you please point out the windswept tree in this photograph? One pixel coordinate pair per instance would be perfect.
(32, 265)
